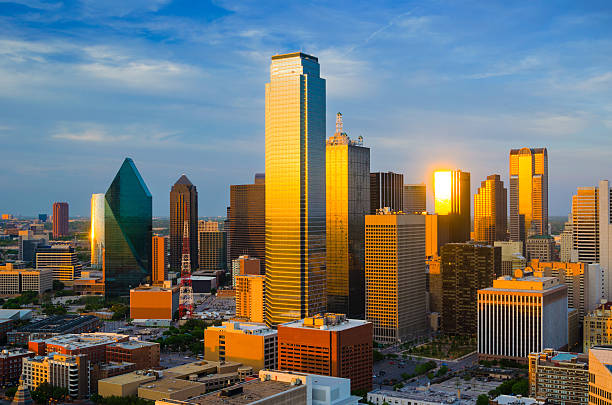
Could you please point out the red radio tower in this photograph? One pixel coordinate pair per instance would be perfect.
(186, 290)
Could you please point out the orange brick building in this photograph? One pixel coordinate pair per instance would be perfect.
(155, 302)
(92, 344)
(328, 345)
(145, 355)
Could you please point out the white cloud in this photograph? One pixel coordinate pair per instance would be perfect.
(41, 5)
(120, 8)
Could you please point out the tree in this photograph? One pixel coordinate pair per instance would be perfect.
(482, 399)
(521, 388)
(377, 356)
(10, 392)
(47, 392)
(58, 285)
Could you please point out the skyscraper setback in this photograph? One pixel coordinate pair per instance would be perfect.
(348, 189)
(60, 219)
(127, 231)
(295, 189)
(183, 207)
(490, 211)
(528, 193)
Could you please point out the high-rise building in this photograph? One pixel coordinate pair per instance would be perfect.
(60, 219)
(395, 276)
(585, 224)
(183, 207)
(431, 235)
(348, 191)
(245, 265)
(452, 204)
(541, 247)
(600, 375)
(212, 245)
(62, 259)
(295, 189)
(96, 235)
(598, 327)
(415, 198)
(386, 190)
(528, 193)
(512, 257)
(28, 243)
(154, 302)
(490, 211)
(246, 230)
(465, 269)
(520, 315)
(252, 344)
(561, 378)
(250, 291)
(605, 234)
(59, 370)
(330, 345)
(127, 231)
(567, 253)
(159, 267)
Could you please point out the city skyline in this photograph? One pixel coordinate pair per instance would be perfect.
(541, 85)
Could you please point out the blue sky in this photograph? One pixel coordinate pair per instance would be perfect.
(179, 87)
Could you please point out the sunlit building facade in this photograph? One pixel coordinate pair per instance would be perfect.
(605, 234)
(127, 231)
(348, 189)
(183, 207)
(528, 193)
(395, 276)
(415, 198)
(295, 189)
(386, 190)
(60, 219)
(453, 206)
(600, 375)
(96, 235)
(250, 290)
(585, 224)
(159, 266)
(560, 377)
(490, 211)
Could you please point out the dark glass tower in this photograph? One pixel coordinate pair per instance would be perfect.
(183, 206)
(386, 190)
(128, 234)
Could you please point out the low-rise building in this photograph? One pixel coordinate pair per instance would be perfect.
(52, 326)
(91, 344)
(70, 372)
(153, 302)
(61, 259)
(251, 344)
(600, 375)
(415, 397)
(15, 281)
(516, 400)
(145, 355)
(10, 364)
(559, 377)
(598, 327)
(90, 283)
(125, 385)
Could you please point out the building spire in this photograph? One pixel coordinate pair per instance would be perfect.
(339, 127)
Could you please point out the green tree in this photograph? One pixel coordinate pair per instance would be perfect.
(521, 388)
(10, 392)
(47, 392)
(482, 399)
(377, 356)
(58, 285)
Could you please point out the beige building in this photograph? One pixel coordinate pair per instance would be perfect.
(125, 385)
(600, 376)
(560, 377)
(250, 297)
(540, 247)
(395, 276)
(512, 257)
(15, 281)
(598, 327)
(60, 370)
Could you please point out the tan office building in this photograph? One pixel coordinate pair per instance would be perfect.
(395, 276)
(598, 327)
(16, 281)
(560, 377)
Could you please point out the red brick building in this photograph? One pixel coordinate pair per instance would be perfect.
(328, 345)
(10, 364)
(144, 355)
(92, 344)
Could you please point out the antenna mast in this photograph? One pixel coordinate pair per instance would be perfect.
(186, 290)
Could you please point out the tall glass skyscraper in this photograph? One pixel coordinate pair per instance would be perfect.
(97, 230)
(528, 193)
(127, 231)
(295, 189)
(348, 193)
(452, 204)
(490, 211)
(183, 207)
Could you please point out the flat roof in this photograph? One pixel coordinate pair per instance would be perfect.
(252, 391)
(58, 324)
(82, 340)
(344, 325)
(170, 385)
(258, 329)
(134, 376)
(293, 55)
(134, 344)
(424, 395)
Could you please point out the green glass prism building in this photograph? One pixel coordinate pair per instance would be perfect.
(127, 231)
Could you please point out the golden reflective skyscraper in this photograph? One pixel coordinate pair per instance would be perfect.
(348, 201)
(490, 211)
(295, 189)
(528, 193)
(97, 230)
(452, 204)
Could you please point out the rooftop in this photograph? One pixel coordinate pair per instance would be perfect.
(153, 288)
(57, 324)
(134, 344)
(247, 393)
(170, 385)
(293, 55)
(134, 376)
(249, 328)
(425, 395)
(331, 322)
(83, 340)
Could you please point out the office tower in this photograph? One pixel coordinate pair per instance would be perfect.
(540, 247)
(490, 211)
(212, 245)
(560, 377)
(585, 224)
(295, 189)
(583, 281)
(15, 280)
(208, 226)
(528, 193)
(386, 190)
(154, 302)
(415, 198)
(253, 345)
(598, 327)
(127, 231)
(62, 259)
(58, 370)
(245, 265)
(431, 235)
(348, 191)
(246, 230)
(395, 276)
(434, 284)
(250, 290)
(28, 243)
(520, 315)
(600, 375)
(96, 234)
(512, 257)
(605, 234)
(452, 204)
(330, 345)
(183, 207)
(159, 268)
(567, 252)
(60, 219)
(465, 269)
